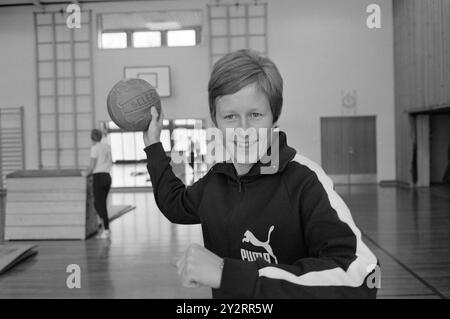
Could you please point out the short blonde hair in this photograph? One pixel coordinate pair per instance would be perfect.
(238, 69)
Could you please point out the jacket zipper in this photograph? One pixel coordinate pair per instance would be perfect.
(230, 217)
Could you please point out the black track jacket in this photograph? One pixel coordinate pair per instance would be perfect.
(282, 235)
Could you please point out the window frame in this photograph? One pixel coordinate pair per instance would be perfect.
(130, 44)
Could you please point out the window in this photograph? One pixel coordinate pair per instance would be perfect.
(114, 40)
(128, 146)
(172, 28)
(146, 39)
(127, 150)
(178, 38)
(165, 140)
(179, 122)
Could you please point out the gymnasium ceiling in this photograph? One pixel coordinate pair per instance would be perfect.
(40, 3)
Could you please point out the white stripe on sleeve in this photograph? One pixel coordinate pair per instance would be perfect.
(365, 260)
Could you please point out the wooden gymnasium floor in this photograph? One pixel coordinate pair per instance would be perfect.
(409, 230)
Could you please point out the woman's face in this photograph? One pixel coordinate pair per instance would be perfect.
(245, 120)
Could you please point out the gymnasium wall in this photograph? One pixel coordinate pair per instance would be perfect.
(322, 48)
(18, 72)
(422, 69)
(189, 66)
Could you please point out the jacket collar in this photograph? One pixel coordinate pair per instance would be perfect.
(265, 166)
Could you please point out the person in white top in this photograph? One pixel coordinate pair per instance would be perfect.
(99, 167)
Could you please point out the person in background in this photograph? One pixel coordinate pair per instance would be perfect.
(99, 167)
